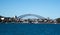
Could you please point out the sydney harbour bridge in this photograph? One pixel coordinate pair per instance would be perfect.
(35, 19)
(25, 15)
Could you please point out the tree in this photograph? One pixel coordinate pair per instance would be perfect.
(58, 20)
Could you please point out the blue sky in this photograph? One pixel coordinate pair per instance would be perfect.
(45, 8)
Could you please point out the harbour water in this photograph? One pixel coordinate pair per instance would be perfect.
(29, 29)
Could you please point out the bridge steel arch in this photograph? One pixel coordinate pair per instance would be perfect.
(39, 17)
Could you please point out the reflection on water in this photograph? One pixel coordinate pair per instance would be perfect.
(29, 29)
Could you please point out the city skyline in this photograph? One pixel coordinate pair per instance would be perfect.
(45, 8)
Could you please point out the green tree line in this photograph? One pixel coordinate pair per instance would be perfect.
(58, 20)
